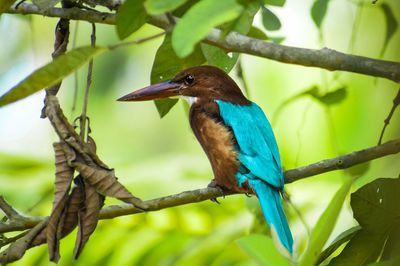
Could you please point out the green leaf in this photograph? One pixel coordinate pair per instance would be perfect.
(375, 210)
(217, 57)
(392, 247)
(45, 4)
(270, 20)
(373, 206)
(333, 97)
(277, 39)
(165, 105)
(5, 5)
(243, 22)
(325, 225)
(256, 33)
(130, 17)
(167, 64)
(359, 169)
(275, 2)
(318, 11)
(262, 249)
(362, 249)
(51, 74)
(391, 25)
(330, 98)
(199, 20)
(337, 242)
(155, 7)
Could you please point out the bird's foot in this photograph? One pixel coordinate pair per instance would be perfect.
(213, 184)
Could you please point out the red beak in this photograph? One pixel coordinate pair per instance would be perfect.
(154, 92)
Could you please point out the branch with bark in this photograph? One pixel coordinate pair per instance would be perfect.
(324, 58)
(198, 195)
(73, 153)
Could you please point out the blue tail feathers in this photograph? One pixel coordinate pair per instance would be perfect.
(271, 204)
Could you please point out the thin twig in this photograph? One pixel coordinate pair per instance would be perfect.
(74, 98)
(396, 102)
(324, 58)
(155, 36)
(88, 82)
(7, 241)
(8, 210)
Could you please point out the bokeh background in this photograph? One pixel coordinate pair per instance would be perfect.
(156, 157)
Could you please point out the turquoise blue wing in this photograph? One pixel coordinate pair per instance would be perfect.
(258, 150)
(259, 154)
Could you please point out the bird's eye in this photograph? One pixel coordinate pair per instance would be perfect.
(189, 79)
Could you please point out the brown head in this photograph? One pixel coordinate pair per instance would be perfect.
(204, 83)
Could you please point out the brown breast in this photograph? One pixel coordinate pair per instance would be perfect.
(217, 141)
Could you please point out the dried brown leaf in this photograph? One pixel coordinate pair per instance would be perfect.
(64, 175)
(39, 238)
(69, 216)
(88, 217)
(107, 184)
(75, 202)
(92, 143)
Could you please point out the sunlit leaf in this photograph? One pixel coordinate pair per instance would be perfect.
(243, 22)
(130, 17)
(262, 249)
(318, 11)
(5, 5)
(199, 20)
(325, 225)
(277, 39)
(163, 69)
(155, 7)
(270, 20)
(51, 74)
(256, 33)
(217, 57)
(374, 209)
(275, 2)
(337, 242)
(391, 24)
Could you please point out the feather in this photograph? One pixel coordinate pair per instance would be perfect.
(261, 163)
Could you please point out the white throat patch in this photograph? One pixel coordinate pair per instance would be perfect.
(189, 99)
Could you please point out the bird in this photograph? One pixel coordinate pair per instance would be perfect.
(235, 135)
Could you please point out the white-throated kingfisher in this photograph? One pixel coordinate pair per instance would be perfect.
(235, 135)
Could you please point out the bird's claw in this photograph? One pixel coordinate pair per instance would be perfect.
(215, 200)
(214, 185)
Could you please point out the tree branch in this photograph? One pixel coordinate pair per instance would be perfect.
(324, 58)
(337, 163)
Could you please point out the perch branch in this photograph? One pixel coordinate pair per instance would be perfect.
(324, 58)
(337, 163)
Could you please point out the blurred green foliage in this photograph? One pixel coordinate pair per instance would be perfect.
(154, 157)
